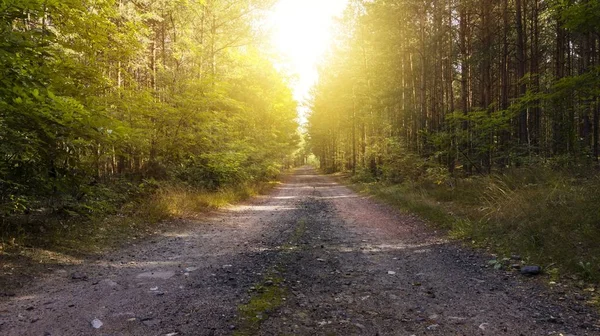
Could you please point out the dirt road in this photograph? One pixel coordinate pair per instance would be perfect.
(312, 258)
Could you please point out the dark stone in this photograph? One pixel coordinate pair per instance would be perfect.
(79, 276)
(531, 270)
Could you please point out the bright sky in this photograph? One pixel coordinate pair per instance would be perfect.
(302, 31)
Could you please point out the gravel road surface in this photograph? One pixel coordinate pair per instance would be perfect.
(311, 258)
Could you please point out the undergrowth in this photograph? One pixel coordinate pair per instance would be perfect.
(548, 217)
(112, 218)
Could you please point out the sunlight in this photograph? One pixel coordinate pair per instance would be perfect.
(302, 31)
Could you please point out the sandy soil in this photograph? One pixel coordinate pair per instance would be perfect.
(342, 264)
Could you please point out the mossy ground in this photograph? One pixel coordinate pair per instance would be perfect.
(270, 294)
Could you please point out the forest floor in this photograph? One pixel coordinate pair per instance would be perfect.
(310, 258)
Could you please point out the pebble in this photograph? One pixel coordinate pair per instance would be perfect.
(96, 323)
(457, 320)
(79, 276)
(360, 326)
(531, 270)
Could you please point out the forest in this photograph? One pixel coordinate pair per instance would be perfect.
(299, 167)
(105, 101)
(482, 116)
(477, 85)
(479, 114)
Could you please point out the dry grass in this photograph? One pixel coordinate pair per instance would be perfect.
(29, 247)
(139, 218)
(550, 218)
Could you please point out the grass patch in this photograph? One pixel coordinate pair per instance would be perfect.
(549, 217)
(266, 300)
(269, 295)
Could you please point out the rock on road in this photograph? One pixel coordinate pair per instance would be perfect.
(341, 264)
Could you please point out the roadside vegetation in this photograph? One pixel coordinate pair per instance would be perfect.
(115, 115)
(546, 216)
(153, 208)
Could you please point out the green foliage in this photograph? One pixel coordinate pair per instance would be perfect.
(438, 78)
(97, 96)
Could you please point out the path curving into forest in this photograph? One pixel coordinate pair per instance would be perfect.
(311, 258)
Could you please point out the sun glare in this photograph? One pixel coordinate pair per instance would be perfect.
(302, 31)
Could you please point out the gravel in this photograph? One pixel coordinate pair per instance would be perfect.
(338, 262)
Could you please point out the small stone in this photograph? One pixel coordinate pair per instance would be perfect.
(269, 283)
(433, 327)
(96, 323)
(515, 257)
(531, 270)
(149, 322)
(154, 289)
(164, 275)
(79, 276)
(483, 326)
(457, 319)
(391, 272)
(110, 283)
